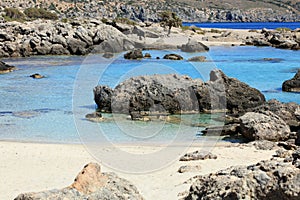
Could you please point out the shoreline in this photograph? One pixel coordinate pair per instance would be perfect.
(42, 162)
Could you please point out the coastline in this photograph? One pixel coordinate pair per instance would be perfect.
(28, 167)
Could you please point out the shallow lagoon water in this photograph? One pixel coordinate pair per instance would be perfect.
(42, 110)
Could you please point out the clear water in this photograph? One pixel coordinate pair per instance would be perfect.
(246, 25)
(53, 109)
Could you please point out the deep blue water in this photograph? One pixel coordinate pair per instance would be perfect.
(53, 109)
(246, 25)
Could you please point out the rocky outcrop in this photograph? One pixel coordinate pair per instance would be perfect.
(79, 37)
(193, 46)
(292, 85)
(272, 179)
(176, 94)
(90, 183)
(198, 155)
(263, 126)
(5, 68)
(283, 39)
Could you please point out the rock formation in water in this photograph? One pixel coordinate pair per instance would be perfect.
(292, 85)
(5, 68)
(175, 94)
(90, 183)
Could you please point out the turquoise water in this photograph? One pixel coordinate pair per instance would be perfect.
(47, 110)
(246, 25)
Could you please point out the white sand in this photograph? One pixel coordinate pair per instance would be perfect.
(29, 167)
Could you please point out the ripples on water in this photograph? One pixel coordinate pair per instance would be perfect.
(41, 110)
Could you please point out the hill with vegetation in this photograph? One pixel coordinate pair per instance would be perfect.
(188, 10)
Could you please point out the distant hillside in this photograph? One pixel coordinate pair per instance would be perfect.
(188, 10)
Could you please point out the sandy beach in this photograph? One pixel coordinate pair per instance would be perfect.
(33, 167)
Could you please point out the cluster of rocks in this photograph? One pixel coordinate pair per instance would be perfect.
(284, 39)
(58, 38)
(170, 94)
(90, 183)
(270, 179)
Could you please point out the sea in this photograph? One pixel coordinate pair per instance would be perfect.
(245, 25)
(53, 109)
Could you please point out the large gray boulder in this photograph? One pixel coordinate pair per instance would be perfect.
(263, 126)
(194, 46)
(276, 180)
(292, 85)
(91, 184)
(289, 112)
(176, 94)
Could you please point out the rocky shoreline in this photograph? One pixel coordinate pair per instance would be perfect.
(81, 37)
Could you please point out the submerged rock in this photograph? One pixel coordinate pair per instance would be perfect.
(292, 85)
(90, 183)
(197, 59)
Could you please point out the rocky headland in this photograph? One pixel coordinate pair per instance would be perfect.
(204, 10)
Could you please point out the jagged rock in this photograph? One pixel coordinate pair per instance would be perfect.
(194, 46)
(156, 93)
(297, 142)
(264, 126)
(197, 59)
(292, 85)
(271, 179)
(5, 68)
(198, 155)
(76, 46)
(286, 111)
(189, 168)
(37, 76)
(224, 92)
(134, 54)
(173, 57)
(58, 49)
(102, 97)
(176, 94)
(90, 184)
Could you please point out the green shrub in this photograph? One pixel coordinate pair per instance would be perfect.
(35, 13)
(283, 29)
(13, 14)
(124, 21)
